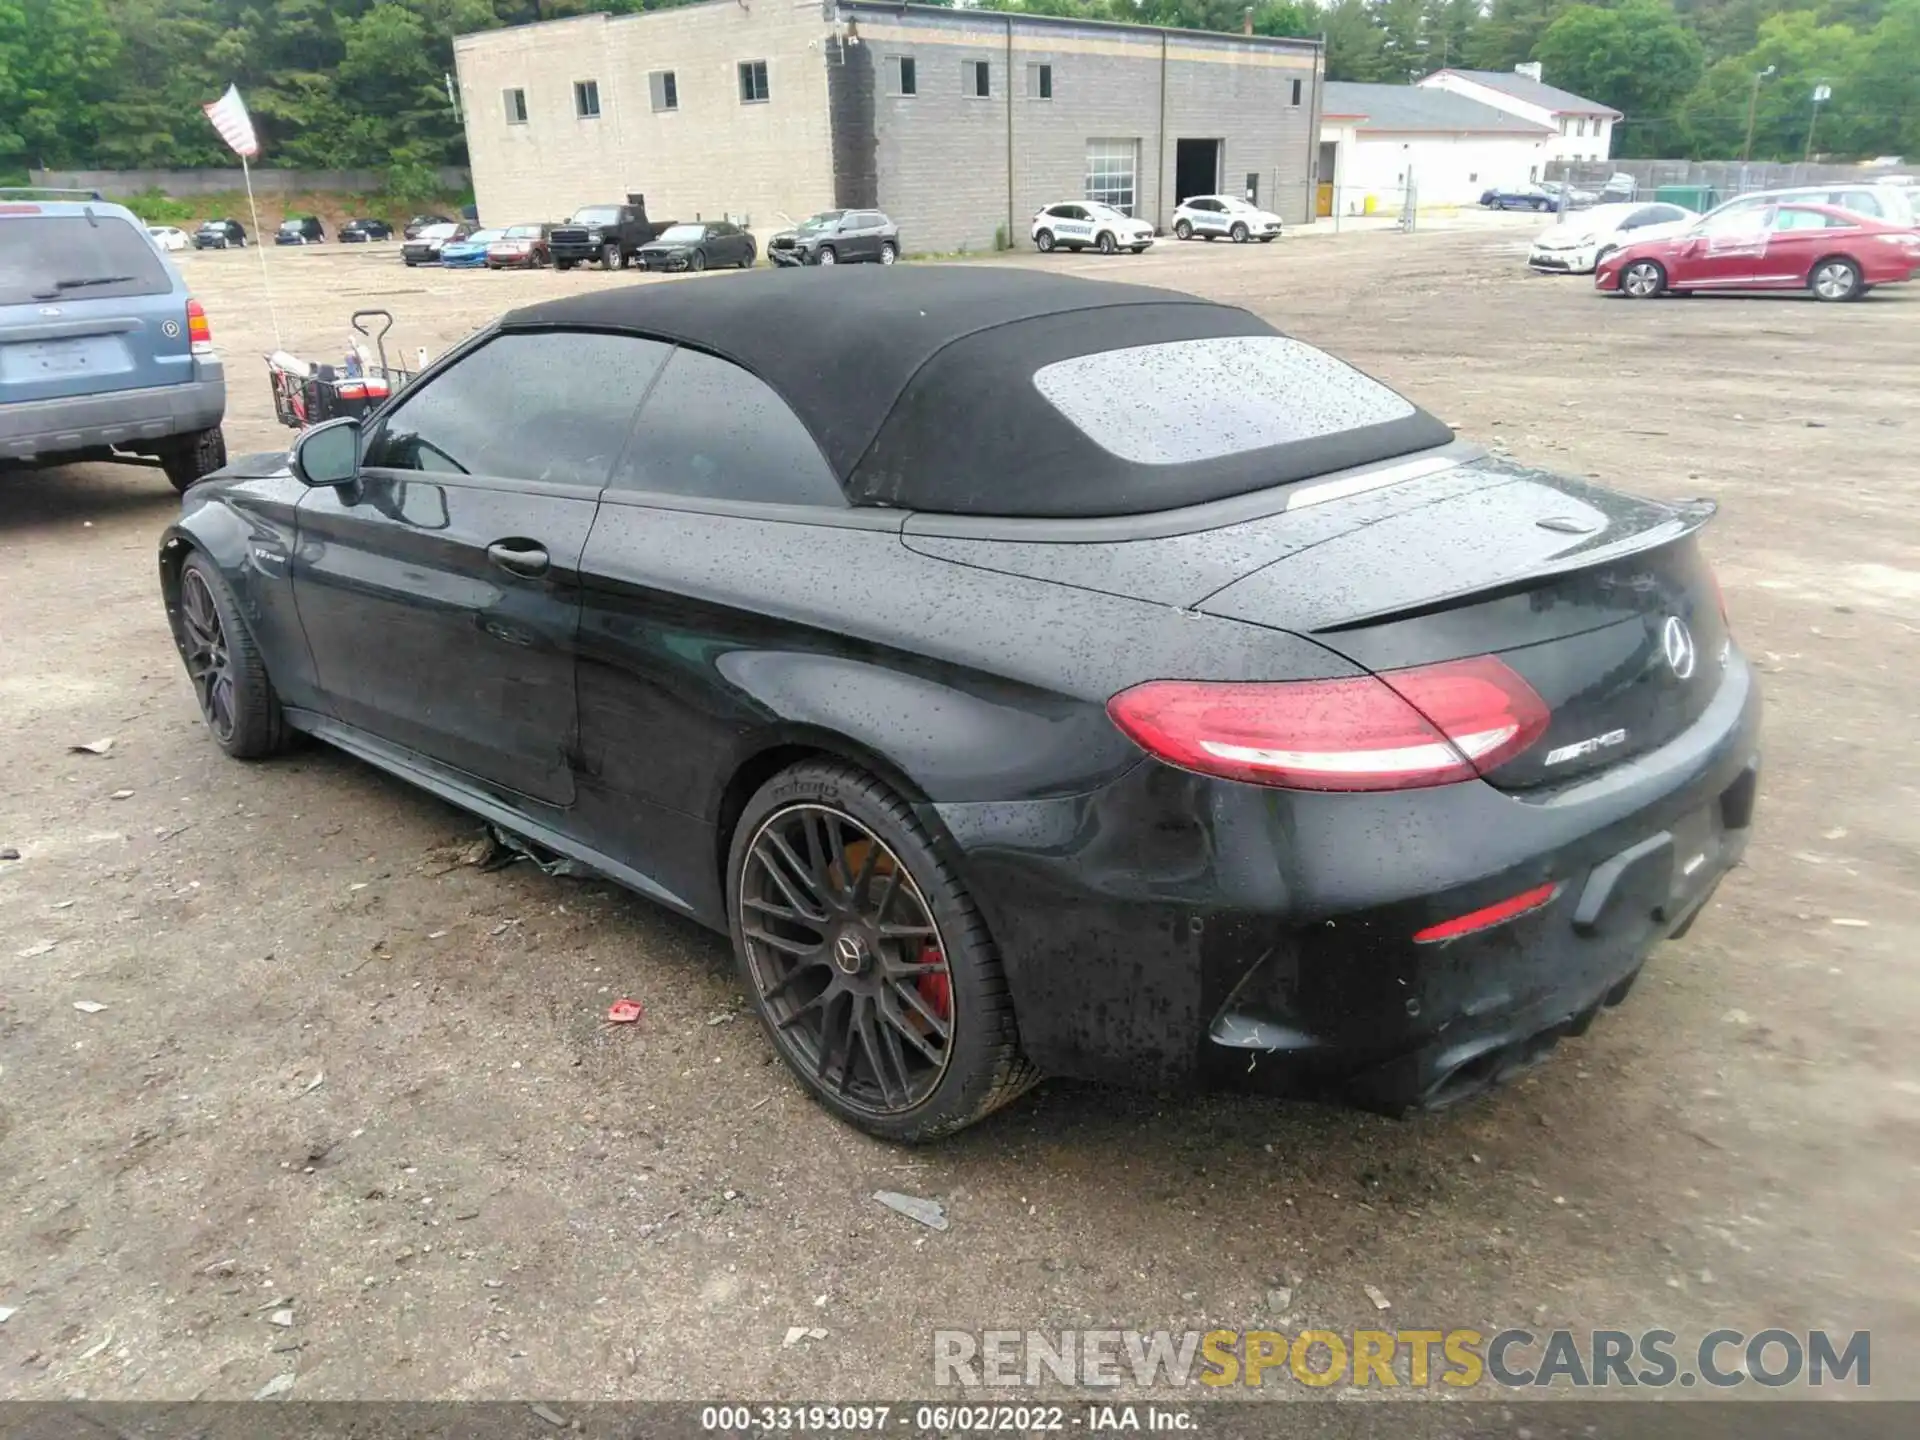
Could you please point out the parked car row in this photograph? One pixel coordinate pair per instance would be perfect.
(1836, 242)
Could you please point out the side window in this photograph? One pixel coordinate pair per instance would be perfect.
(712, 431)
(515, 409)
(869, 220)
(1738, 220)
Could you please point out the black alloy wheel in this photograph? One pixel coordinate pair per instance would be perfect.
(867, 962)
(209, 666)
(229, 677)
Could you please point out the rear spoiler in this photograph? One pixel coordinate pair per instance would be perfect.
(1689, 517)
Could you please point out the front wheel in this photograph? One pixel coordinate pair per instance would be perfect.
(827, 257)
(1642, 280)
(699, 261)
(866, 958)
(1106, 243)
(229, 677)
(889, 252)
(1239, 233)
(1836, 279)
(611, 258)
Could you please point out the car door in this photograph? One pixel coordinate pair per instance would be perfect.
(1072, 227)
(1213, 216)
(710, 503)
(1726, 251)
(440, 591)
(1800, 236)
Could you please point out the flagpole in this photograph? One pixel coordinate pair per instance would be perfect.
(260, 244)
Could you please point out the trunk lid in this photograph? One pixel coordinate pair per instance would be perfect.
(1602, 602)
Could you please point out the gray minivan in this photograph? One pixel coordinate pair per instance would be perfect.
(103, 354)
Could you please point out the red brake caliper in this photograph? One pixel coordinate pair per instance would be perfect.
(935, 987)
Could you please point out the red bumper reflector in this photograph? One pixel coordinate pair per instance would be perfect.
(1489, 916)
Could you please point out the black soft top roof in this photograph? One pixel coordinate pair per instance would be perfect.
(917, 381)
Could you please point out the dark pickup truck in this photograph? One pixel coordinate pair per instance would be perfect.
(611, 234)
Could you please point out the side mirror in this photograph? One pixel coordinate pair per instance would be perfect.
(328, 454)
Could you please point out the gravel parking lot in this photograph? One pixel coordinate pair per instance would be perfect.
(343, 1074)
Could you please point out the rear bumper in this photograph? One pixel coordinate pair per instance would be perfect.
(123, 419)
(1172, 929)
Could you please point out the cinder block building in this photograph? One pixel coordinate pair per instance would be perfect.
(959, 123)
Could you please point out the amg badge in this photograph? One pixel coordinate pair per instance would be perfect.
(1560, 754)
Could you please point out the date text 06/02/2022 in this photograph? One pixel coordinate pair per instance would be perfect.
(946, 1419)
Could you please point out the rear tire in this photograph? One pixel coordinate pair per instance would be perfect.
(1043, 242)
(889, 252)
(237, 699)
(979, 1066)
(1182, 230)
(1836, 279)
(193, 457)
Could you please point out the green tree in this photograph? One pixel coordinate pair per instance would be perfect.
(1510, 31)
(1637, 58)
(1356, 45)
(56, 59)
(1802, 53)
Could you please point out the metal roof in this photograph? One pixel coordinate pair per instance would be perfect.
(1532, 91)
(1403, 108)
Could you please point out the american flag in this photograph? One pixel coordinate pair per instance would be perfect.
(230, 118)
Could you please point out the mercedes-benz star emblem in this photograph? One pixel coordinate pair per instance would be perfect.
(848, 953)
(1677, 641)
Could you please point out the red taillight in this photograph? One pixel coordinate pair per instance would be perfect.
(19, 209)
(1488, 916)
(1404, 729)
(199, 332)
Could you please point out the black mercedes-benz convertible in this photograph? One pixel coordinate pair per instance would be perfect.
(1031, 675)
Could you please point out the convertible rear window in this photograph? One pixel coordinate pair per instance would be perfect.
(1185, 401)
(48, 258)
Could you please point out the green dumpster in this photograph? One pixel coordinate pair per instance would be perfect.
(1700, 198)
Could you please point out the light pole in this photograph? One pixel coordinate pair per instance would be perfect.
(1753, 107)
(1820, 92)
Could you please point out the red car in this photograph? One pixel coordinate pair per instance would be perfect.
(1835, 253)
(519, 246)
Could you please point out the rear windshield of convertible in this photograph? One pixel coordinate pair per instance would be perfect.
(1189, 400)
(1127, 411)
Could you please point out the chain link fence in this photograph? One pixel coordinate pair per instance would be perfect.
(1722, 179)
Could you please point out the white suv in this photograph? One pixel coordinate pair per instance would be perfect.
(1211, 215)
(1076, 224)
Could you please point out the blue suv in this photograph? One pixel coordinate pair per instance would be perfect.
(103, 354)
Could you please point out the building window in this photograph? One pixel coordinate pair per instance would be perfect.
(1253, 187)
(664, 90)
(1040, 82)
(974, 80)
(900, 70)
(1296, 94)
(516, 106)
(1111, 166)
(586, 99)
(753, 82)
